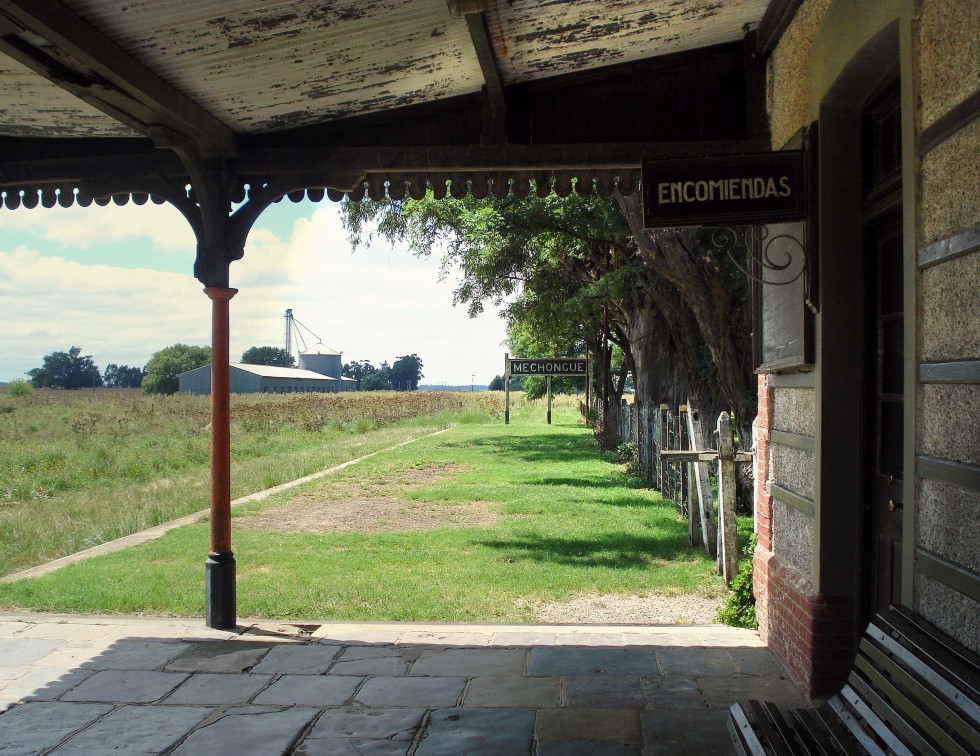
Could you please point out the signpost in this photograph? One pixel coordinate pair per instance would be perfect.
(547, 367)
(738, 190)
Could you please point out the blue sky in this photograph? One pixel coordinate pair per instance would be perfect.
(117, 282)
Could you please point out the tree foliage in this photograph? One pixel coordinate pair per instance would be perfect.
(268, 355)
(378, 380)
(123, 376)
(581, 272)
(406, 373)
(496, 384)
(66, 370)
(164, 366)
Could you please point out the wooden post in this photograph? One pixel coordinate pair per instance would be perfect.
(687, 483)
(706, 504)
(728, 551)
(506, 388)
(549, 400)
(588, 385)
(664, 482)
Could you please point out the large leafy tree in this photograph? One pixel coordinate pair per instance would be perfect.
(164, 366)
(358, 370)
(123, 376)
(66, 370)
(268, 355)
(406, 372)
(583, 269)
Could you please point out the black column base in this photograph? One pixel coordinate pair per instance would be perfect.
(219, 591)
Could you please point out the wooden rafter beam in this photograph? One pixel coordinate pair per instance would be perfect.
(57, 44)
(495, 115)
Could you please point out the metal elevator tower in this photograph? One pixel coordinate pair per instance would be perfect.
(288, 332)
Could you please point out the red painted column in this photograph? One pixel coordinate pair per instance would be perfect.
(220, 611)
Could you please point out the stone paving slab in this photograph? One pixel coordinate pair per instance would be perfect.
(247, 730)
(471, 662)
(489, 732)
(310, 690)
(148, 685)
(35, 727)
(592, 661)
(297, 660)
(135, 730)
(125, 686)
(617, 726)
(226, 689)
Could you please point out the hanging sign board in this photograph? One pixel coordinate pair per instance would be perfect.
(564, 366)
(737, 190)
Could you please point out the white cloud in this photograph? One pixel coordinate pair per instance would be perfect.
(86, 227)
(377, 303)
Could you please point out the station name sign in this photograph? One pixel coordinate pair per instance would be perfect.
(733, 190)
(548, 366)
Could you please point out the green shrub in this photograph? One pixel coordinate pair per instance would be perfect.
(739, 607)
(19, 388)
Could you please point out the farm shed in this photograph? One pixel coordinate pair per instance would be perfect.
(868, 457)
(265, 379)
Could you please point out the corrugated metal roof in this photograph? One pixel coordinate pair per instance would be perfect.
(261, 65)
(270, 371)
(322, 349)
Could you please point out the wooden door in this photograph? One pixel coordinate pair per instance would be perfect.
(885, 332)
(887, 412)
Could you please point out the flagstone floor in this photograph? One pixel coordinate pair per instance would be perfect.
(91, 685)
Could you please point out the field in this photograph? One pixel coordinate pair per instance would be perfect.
(483, 522)
(78, 468)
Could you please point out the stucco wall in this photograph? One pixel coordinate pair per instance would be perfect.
(951, 185)
(948, 427)
(950, 301)
(949, 610)
(793, 410)
(788, 74)
(949, 48)
(792, 468)
(945, 514)
(792, 536)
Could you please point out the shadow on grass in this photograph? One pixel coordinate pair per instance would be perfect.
(550, 447)
(625, 481)
(611, 550)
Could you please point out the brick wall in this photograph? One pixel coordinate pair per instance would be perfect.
(812, 635)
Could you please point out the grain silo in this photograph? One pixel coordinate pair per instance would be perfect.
(323, 360)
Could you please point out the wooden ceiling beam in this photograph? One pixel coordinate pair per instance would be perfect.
(495, 104)
(57, 44)
(328, 162)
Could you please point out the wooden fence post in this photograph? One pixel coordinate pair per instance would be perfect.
(728, 551)
(664, 480)
(706, 504)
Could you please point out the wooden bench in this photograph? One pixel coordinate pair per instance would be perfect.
(912, 690)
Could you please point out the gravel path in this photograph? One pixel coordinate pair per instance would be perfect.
(594, 609)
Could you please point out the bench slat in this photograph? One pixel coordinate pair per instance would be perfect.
(826, 732)
(912, 691)
(943, 685)
(943, 717)
(775, 731)
(854, 726)
(872, 707)
(746, 742)
(936, 649)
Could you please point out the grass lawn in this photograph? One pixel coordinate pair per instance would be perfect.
(556, 519)
(79, 468)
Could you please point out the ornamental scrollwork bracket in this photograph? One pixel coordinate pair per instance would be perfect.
(773, 259)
